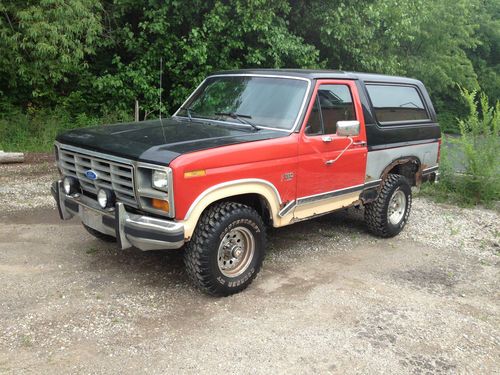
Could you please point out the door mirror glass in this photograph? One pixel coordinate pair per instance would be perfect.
(347, 128)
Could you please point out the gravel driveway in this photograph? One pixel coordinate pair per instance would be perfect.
(330, 298)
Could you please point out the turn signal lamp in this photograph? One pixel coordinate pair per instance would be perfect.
(160, 204)
(197, 173)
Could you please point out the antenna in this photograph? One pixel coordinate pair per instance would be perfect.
(161, 73)
(161, 121)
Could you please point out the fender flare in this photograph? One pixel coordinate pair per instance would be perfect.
(228, 189)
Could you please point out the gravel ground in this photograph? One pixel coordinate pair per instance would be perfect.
(19, 181)
(330, 298)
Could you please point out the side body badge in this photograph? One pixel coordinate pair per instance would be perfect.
(288, 176)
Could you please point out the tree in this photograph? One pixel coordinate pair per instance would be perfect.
(485, 56)
(43, 45)
(98, 56)
(194, 39)
(425, 39)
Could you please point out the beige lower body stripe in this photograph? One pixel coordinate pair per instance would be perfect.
(317, 204)
(323, 206)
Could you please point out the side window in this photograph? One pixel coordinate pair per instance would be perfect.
(396, 103)
(333, 103)
(336, 105)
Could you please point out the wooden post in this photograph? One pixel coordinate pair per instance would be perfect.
(136, 112)
(11, 157)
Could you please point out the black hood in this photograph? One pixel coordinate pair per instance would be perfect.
(162, 141)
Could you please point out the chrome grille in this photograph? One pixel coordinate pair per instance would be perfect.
(117, 177)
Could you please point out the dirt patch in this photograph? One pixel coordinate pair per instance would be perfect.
(39, 157)
(330, 298)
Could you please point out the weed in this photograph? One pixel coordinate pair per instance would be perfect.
(26, 341)
(329, 234)
(91, 250)
(36, 130)
(470, 165)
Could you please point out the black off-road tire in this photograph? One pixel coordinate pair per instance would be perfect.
(201, 255)
(376, 212)
(99, 235)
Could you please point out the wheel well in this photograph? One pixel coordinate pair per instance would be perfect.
(256, 201)
(408, 167)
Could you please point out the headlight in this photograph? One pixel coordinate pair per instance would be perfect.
(154, 188)
(160, 180)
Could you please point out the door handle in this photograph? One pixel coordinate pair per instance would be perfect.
(359, 143)
(326, 138)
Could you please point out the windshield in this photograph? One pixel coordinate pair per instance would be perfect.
(249, 100)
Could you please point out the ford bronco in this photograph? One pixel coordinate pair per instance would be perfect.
(250, 149)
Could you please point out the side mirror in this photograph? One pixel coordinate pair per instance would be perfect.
(348, 128)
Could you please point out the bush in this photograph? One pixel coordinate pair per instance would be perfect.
(37, 129)
(470, 163)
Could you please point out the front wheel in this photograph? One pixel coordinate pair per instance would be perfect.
(226, 250)
(388, 214)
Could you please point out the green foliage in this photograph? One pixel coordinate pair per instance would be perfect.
(194, 39)
(96, 57)
(474, 154)
(43, 44)
(426, 39)
(486, 56)
(35, 130)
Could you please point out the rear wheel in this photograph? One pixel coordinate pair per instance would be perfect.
(226, 250)
(99, 235)
(388, 214)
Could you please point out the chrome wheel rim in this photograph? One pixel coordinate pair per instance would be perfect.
(397, 207)
(236, 251)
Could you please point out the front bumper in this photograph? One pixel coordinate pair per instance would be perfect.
(130, 229)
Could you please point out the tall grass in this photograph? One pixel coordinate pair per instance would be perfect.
(470, 168)
(37, 129)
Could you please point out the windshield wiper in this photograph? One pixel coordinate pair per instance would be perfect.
(241, 118)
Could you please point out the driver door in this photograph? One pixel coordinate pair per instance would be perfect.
(331, 168)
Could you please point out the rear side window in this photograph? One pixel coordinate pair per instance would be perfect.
(397, 103)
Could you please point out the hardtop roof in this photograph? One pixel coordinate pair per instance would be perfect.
(323, 74)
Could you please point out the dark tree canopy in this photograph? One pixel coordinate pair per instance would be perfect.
(98, 57)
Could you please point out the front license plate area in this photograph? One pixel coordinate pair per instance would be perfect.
(91, 218)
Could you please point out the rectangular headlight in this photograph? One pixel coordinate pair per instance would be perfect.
(160, 180)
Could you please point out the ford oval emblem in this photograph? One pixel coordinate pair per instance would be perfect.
(91, 175)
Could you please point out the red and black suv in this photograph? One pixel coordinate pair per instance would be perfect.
(250, 149)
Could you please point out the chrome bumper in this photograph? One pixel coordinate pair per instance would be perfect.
(431, 174)
(140, 231)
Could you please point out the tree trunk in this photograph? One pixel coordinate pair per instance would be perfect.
(11, 157)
